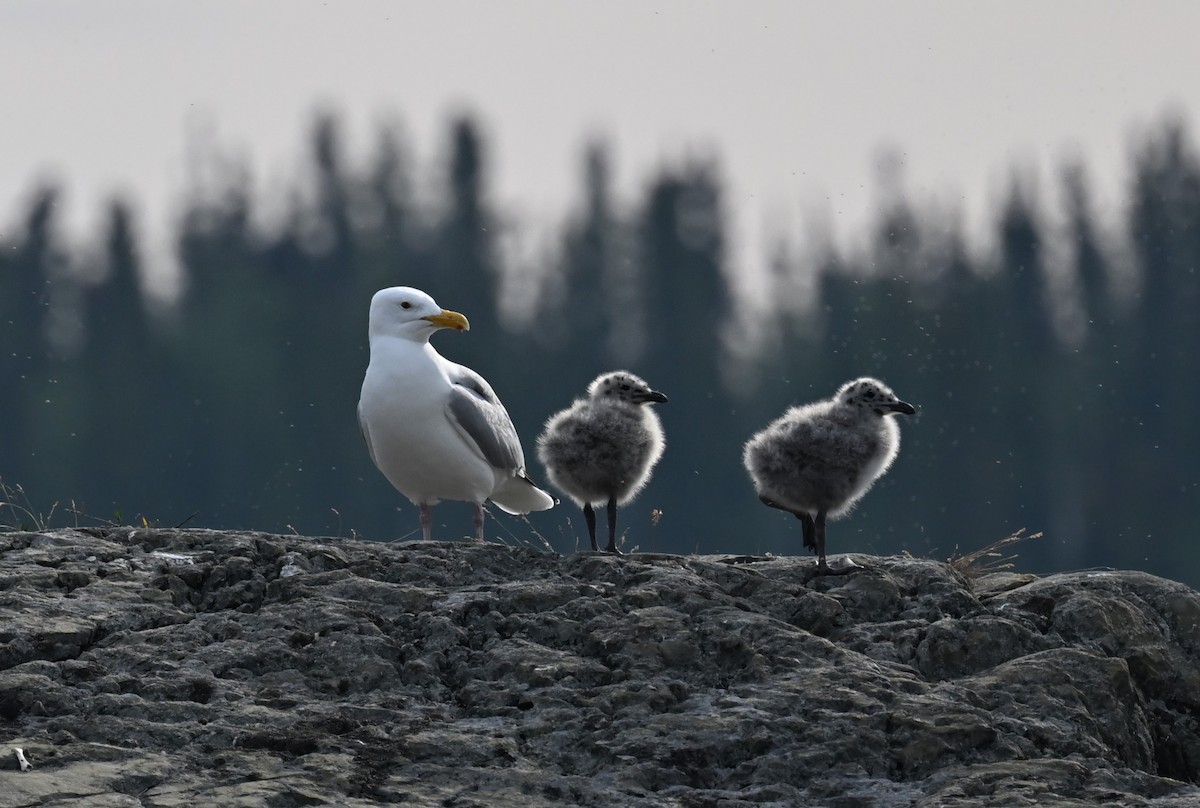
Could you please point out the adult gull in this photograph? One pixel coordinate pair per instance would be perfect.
(435, 428)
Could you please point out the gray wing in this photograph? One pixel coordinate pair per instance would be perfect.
(478, 414)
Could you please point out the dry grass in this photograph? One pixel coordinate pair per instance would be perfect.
(514, 540)
(17, 513)
(992, 558)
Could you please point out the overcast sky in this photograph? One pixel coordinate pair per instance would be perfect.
(796, 99)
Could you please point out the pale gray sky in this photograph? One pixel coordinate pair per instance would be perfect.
(795, 98)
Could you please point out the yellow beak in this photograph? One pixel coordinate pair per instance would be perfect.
(449, 319)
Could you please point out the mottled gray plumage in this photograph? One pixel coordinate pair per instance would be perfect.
(601, 449)
(817, 460)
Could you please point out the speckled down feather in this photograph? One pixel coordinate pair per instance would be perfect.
(816, 461)
(604, 446)
(826, 455)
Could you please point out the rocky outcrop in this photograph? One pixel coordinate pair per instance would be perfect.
(145, 667)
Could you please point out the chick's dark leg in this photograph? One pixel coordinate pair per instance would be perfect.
(806, 521)
(612, 527)
(822, 565)
(589, 516)
(810, 539)
(801, 515)
(819, 541)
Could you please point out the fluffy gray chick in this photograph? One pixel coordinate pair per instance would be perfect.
(601, 449)
(817, 460)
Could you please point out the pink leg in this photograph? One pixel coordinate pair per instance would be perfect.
(426, 522)
(479, 521)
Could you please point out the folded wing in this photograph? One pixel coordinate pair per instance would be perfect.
(480, 417)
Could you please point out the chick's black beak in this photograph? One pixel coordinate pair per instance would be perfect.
(652, 396)
(902, 408)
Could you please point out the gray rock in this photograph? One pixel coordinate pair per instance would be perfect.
(146, 667)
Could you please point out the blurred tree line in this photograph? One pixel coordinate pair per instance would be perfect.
(1055, 372)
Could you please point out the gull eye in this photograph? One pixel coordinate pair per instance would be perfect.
(406, 305)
